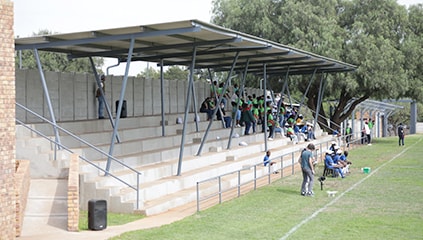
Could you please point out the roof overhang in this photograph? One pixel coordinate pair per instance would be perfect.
(173, 43)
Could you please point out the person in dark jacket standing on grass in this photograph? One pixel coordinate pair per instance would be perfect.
(306, 160)
(401, 135)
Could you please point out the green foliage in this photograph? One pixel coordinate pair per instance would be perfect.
(171, 73)
(150, 73)
(176, 73)
(380, 37)
(57, 62)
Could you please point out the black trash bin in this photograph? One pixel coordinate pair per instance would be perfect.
(124, 113)
(97, 214)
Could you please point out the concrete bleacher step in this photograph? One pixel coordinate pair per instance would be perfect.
(104, 125)
(205, 167)
(168, 167)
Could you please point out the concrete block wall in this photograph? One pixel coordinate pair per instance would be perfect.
(7, 122)
(73, 194)
(22, 180)
(72, 95)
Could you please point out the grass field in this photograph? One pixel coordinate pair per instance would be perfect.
(385, 204)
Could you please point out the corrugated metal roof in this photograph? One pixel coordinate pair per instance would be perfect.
(173, 42)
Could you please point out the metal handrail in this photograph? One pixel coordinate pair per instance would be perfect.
(318, 153)
(81, 157)
(254, 179)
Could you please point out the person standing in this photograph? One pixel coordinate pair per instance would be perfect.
(401, 135)
(366, 131)
(247, 118)
(348, 134)
(307, 167)
(270, 124)
(100, 97)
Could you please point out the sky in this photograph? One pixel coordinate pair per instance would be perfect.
(66, 16)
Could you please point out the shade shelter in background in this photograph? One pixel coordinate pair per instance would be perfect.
(379, 109)
(191, 43)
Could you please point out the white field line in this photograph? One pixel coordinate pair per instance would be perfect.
(296, 227)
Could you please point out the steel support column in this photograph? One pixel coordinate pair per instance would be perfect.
(47, 96)
(162, 97)
(265, 105)
(103, 95)
(203, 140)
(319, 100)
(187, 104)
(119, 110)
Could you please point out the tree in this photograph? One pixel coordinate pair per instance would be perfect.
(368, 34)
(149, 73)
(176, 73)
(57, 62)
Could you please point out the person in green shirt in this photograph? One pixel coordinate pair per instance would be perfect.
(270, 123)
(291, 133)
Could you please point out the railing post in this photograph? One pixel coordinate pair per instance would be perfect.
(138, 191)
(198, 196)
(292, 163)
(239, 183)
(268, 174)
(282, 166)
(255, 177)
(220, 189)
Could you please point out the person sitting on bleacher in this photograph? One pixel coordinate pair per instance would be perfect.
(329, 164)
(310, 132)
(208, 107)
(297, 131)
(291, 134)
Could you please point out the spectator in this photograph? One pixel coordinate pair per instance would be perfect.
(227, 119)
(366, 131)
(401, 135)
(236, 114)
(247, 118)
(310, 132)
(256, 115)
(291, 134)
(268, 162)
(329, 164)
(101, 96)
(270, 123)
(306, 161)
(348, 134)
(207, 106)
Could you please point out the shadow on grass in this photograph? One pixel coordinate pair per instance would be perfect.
(288, 191)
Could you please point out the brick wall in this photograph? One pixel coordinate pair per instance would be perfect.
(73, 194)
(22, 180)
(7, 122)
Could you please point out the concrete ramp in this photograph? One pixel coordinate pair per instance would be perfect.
(46, 210)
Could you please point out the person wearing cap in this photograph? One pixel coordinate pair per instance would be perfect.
(310, 132)
(332, 147)
(306, 160)
(100, 96)
(329, 163)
